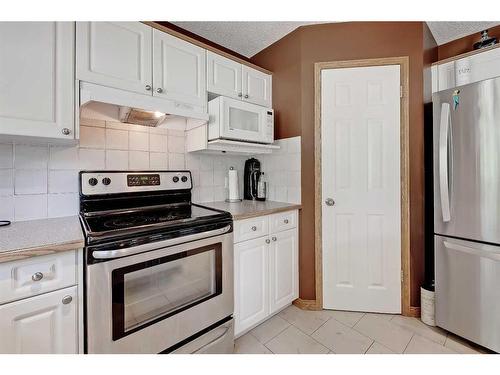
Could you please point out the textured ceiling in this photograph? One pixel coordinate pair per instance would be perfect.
(445, 32)
(248, 38)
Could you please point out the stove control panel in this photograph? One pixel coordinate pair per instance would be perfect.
(105, 182)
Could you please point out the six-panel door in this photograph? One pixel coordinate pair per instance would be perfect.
(115, 54)
(37, 79)
(179, 71)
(45, 324)
(251, 283)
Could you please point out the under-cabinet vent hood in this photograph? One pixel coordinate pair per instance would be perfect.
(140, 117)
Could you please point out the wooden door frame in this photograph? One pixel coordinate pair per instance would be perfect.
(403, 62)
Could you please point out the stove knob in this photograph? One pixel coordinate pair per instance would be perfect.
(106, 181)
(184, 178)
(175, 179)
(93, 181)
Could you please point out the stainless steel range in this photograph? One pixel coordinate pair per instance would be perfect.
(159, 269)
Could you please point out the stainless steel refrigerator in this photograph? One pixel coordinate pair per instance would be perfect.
(466, 132)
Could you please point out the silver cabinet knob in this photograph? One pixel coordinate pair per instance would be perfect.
(240, 94)
(274, 238)
(159, 90)
(37, 276)
(285, 221)
(66, 131)
(67, 300)
(329, 202)
(246, 96)
(268, 241)
(254, 228)
(148, 87)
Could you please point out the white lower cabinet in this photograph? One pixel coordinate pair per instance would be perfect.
(45, 324)
(41, 304)
(265, 271)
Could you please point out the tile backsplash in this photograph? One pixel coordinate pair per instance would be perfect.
(39, 181)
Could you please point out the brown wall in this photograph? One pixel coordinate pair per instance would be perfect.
(462, 45)
(293, 100)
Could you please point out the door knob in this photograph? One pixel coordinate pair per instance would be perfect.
(37, 276)
(329, 202)
(67, 300)
(148, 87)
(66, 131)
(246, 96)
(159, 90)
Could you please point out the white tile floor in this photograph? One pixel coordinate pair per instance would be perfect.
(295, 331)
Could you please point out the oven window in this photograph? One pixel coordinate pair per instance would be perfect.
(147, 292)
(243, 120)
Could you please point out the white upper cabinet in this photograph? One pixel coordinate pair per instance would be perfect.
(229, 78)
(179, 71)
(115, 54)
(37, 79)
(223, 76)
(256, 86)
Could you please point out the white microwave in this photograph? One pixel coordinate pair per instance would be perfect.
(241, 121)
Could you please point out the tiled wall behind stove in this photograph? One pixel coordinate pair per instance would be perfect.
(39, 181)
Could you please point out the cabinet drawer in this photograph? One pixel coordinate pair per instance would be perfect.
(282, 221)
(37, 275)
(251, 228)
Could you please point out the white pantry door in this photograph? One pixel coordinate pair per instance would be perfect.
(360, 143)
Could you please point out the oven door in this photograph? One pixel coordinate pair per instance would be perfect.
(148, 302)
(246, 122)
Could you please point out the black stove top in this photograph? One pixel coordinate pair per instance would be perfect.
(123, 206)
(166, 216)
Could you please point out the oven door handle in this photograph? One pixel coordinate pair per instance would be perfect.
(112, 254)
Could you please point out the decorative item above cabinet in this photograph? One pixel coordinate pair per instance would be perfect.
(37, 83)
(229, 78)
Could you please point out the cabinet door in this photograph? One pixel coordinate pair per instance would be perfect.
(179, 71)
(37, 79)
(251, 283)
(46, 324)
(283, 269)
(115, 54)
(223, 76)
(257, 86)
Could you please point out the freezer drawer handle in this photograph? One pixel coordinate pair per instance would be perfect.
(444, 127)
(473, 251)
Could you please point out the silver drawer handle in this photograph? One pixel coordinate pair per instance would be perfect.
(67, 300)
(274, 238)
(254, 228)
(285, 221)
(268, 241)
(159, 90)
(66, 131)
(37, 276)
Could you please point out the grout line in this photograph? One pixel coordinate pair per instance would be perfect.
(406, 347)
(373, 342)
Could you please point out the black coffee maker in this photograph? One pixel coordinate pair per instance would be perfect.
(252, 174)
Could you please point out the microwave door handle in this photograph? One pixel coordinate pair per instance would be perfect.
(444, 130)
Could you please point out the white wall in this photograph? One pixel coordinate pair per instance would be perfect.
(40, 181)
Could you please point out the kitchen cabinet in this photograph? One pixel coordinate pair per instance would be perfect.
(115, 54)
(251, 282)
(179, 71)
(266, 267)
(45, 324)
(283, 270)
(37, 91)
(41, 304)
(229, 78)
(256, 86)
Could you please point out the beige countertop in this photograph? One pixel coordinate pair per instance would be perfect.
(246, 209)
(26, 239)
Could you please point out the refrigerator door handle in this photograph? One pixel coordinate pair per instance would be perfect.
(494, 255)
(444, 127)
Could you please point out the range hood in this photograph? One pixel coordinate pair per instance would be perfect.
(138, 108)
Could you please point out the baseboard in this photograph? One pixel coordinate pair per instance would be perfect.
(307, 304)
(414, 312)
